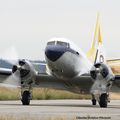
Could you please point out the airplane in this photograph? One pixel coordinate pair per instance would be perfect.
(68, 68)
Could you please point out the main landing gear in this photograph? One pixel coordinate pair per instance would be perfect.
(26, 91)
(25, 98)
(103, 100)
(26, 94)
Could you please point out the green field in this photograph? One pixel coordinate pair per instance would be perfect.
(40, 94)
(44, 93)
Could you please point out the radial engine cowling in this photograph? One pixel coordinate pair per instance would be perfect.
(25, 71)
(101, 71)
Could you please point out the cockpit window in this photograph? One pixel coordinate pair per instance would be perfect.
(51, 43)
(63, 43)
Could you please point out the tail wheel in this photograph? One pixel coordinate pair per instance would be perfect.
(26, 98)
(103, 100)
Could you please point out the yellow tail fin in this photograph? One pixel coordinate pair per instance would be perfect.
(96, 40)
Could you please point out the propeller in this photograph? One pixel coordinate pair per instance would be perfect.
(99, 70)
(21, 67)
(18, 68)
(19, 71)
(12, 81)
(22, 72)
(99, 74)
(10, 56)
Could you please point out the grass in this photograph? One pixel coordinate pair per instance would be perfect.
(45, 93)
(40, 94)
(9, 93)
(26, 117)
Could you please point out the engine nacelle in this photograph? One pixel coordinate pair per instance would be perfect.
(101, 71)
(25, 71)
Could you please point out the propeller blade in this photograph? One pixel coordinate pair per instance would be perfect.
(13, 80)
(99, 86)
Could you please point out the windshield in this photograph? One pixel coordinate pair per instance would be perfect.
(51, 43)
(63, 43)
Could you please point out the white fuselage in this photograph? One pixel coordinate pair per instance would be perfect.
(69, 63)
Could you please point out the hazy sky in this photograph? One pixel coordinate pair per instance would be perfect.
(28, 24)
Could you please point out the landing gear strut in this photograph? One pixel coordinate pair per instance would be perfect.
(26, 95)
(93, 100)
(103, 100)
(26, 91)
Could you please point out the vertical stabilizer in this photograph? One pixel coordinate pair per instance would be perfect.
(96, 49)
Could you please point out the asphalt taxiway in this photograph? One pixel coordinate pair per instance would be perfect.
(64, 109)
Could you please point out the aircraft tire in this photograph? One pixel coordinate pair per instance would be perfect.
(26, 98)
(103, 100)
(93, 101)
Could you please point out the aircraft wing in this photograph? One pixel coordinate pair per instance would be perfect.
(117, 81)
(115, 65)
(49, 81)
(5, 71)
(113, 60)
(4, 74)
(79, 84)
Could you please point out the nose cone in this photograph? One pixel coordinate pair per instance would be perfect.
(53, 52)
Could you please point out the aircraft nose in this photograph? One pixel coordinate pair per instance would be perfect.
(53, 52)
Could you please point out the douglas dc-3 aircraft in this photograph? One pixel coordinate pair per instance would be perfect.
(68, 68)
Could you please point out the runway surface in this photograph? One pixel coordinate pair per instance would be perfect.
(60, 110)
